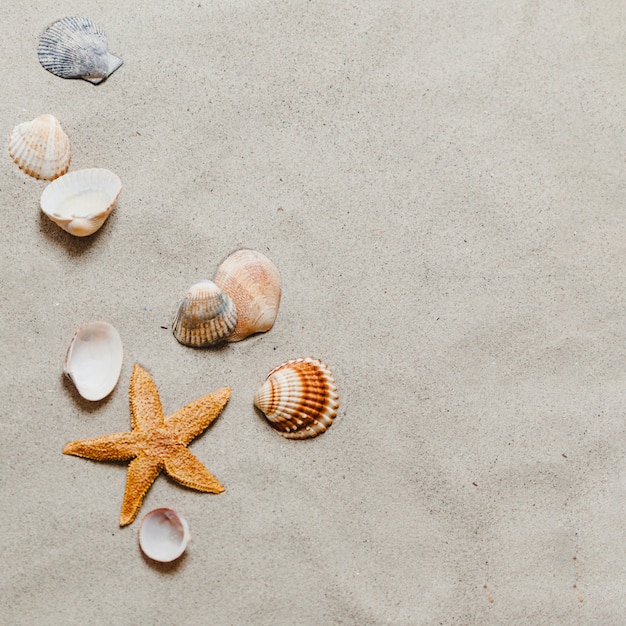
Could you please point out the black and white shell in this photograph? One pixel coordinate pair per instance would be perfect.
(205, 316)
(75, 47)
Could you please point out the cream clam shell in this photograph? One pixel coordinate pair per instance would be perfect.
(205, 316)
(163, 535)
(253, 283)
(94, 360)
(41, 148)
(299, 398)
(81, 201)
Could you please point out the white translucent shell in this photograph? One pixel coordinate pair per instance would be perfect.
(94, 360)
(75, 47)
(205, 316)
(80, 202)
(299, 398)
(41, 148)
(253, 283)
(163, 535)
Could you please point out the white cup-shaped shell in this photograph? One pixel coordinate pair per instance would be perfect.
(299, 398)
(75, 47)
(41, 148)
(81, 201)
(253, 283)
(94, 360)
(163, 535)
(205, 316)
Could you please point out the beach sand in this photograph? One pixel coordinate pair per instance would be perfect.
(441, 185)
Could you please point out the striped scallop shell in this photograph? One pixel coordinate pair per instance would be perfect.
(253, 282)
(205, 317)
(299, 398)
(41, 148)
(75, 47)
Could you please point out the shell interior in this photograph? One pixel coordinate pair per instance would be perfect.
(299, 398)
(75, 47)
(163, 535)
(94, 360)
(41, 148)
(253, 283)
(80, 201)
(205, 316)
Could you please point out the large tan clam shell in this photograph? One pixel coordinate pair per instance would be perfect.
(205, 316)
(299, 398)
(41, 148)
(253, 282)
(80, 202)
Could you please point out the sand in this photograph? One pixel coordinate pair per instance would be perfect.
(441, 185)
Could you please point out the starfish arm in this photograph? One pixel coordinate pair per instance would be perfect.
(146, 412)
(115, 447)
(194, 418)
(185, 468)
(142, 472)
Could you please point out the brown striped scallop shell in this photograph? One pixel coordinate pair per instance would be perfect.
(299, 398)
(205, 316)
(253, 282)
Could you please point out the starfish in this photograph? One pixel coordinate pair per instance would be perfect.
(156, 443)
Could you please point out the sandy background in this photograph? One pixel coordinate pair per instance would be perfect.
(441, 184)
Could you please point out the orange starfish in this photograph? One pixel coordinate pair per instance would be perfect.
(156, 442)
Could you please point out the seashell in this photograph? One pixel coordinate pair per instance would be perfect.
(299, 398)
(75, 47)
(80, 202)
(94, 360)
(41, 148)
(205, 317)
(163, 535)
(253, 283)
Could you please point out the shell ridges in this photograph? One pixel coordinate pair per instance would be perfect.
(75, 47)
(299, 398)
(40, 148)
(253, 283)
(205, 316)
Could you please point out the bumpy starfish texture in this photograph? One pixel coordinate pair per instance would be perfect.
(156, 443)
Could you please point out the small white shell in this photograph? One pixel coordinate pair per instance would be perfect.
(253, 282)
(94, 360)
(205, 316)
(299, 398)
(41, 148)
(163, 535)
(75, 47)
(80, 201)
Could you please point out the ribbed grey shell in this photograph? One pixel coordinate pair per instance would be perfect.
(205, 316)
(75, 47)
